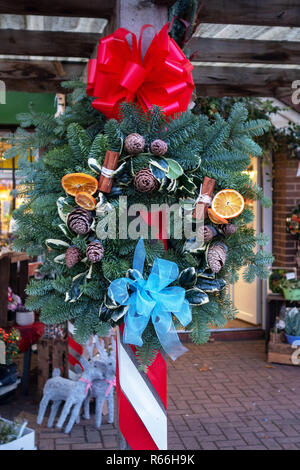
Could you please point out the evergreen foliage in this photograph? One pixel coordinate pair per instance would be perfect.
(218, 149)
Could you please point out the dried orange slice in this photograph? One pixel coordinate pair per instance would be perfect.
(215, 218)
(85, 200)
(228, 204)
(74, 183)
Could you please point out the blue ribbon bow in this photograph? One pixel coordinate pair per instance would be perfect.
(152, 298)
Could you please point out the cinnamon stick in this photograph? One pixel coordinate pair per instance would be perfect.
(110, 163)
(207, 191)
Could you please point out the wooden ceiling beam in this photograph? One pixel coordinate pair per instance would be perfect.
(244, 51)
(251, 12)
(47, 43)
(244, 81)
(73, 8)
(37, 76)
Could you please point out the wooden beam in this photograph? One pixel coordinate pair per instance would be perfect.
(73, 8)
(251, 12)
(47, 43)
(244, 51)
(133, 14)
(167, 3)
(37, 76)
(244, 81)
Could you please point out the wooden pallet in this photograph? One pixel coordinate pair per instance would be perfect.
(280, 352)
(52, 353)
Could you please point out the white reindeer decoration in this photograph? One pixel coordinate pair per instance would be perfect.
(73, 393)
(102, 389)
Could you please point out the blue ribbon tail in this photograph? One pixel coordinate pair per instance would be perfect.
(168, 338)
(139, 256)
(134, 326)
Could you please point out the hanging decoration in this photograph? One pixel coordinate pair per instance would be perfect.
(163, 77)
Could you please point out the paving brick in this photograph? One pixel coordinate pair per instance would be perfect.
(222, 444)
(210, 445)
(46, 444)
(93, 436)
(63, 447)
(87, 446)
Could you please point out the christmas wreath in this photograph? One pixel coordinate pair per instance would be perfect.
(74, 199)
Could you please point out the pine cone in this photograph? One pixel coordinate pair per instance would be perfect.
(134, 144)
(80, 221)
(228, 229)
(207, 232)
(73, 256)
(159, 147)
(95, 252)
(216, 256)
(144, 181)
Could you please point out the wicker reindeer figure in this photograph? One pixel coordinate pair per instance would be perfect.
(103, 389)
(72, 392)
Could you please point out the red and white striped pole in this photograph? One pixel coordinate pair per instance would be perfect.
(142, 397)
(75, 350)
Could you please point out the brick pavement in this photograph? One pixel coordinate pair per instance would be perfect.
(225, 396)
(222, 395)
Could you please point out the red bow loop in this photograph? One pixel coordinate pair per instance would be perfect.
(162, 78)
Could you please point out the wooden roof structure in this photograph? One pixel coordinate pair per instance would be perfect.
(240, 48)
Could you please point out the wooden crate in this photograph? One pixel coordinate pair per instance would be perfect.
(280, 352)
(52, 353)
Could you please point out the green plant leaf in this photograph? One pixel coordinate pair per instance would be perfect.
(175, 170)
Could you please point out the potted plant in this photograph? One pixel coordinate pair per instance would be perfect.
(9, 375)
(22, 316)
(16, 436)
(291, 289)
(292, 325)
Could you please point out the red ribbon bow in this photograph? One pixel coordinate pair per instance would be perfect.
(162, 78)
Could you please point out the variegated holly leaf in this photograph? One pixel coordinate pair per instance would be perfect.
(186, 185)
(172, 186)
(188, 277)
(205, 272)
(119, 170)
(210, 285)
(60, 259)
(119, 312)
(159, 168)
(63, 208)
(66, 231)
(196, 296)
(75, 292)
(104, 313)
(194, 246)
(56, 244)
(94, 165)
(175, 170)
(110, 303)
